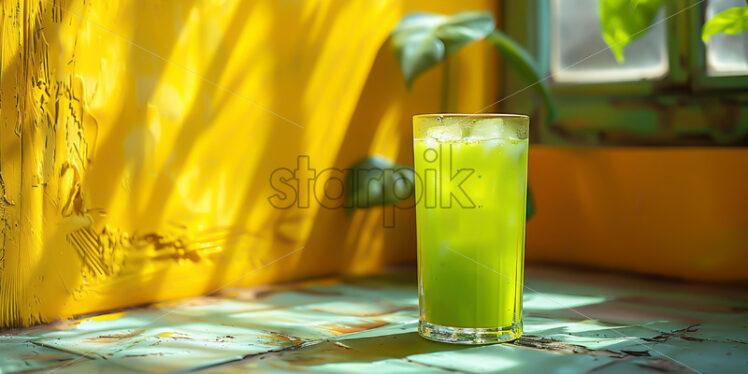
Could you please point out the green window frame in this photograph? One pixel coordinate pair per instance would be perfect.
(685, 107)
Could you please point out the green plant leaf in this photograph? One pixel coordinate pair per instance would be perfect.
(376, 181)
(623, 21)
(730, 21)
(520, 60)
(421, 40)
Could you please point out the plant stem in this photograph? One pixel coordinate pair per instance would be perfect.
(445, 85)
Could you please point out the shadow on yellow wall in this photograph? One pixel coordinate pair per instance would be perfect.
(138, 139)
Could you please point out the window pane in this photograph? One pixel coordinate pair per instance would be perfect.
(579, 53)
(726, 54)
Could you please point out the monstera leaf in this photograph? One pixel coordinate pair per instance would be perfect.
(421, 40)
(376, 181)
(520, 60)
(624, 21)
(731, 21)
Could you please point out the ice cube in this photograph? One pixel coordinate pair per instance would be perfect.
(486, 129)
(516, 149)
(516, 130)
(445, 133)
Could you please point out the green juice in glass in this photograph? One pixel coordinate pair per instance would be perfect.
(471, 185)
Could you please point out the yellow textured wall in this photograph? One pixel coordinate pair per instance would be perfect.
(138, 138)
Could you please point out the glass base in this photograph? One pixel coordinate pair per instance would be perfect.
(466, 335)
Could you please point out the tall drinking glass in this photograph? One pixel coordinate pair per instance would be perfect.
(471, 185)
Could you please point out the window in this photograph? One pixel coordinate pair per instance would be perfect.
(579, 53)
(726, 54)
(672, 89)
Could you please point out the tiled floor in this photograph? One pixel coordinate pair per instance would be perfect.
(575, 321)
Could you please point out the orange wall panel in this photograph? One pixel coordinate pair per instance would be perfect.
(680, 212)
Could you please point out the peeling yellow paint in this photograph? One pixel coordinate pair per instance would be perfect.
(102, 317)
(137, 139)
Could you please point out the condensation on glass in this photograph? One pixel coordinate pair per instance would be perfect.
(726, 54)
(579, 53)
